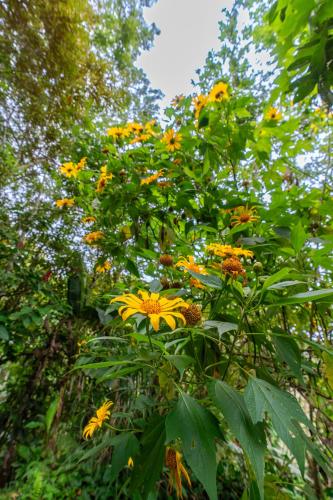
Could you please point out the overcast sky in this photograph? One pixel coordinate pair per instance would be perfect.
(189, 29)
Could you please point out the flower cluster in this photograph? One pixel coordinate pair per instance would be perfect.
(65, 202)
(71, 169)
(103, 179)
(228, 250)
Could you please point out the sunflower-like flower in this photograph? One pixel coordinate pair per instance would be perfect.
(219, 93)
(151, 178)
(89, 219)
(242, 215)
(69, 169)
(141, 138)
(228, 250)
(94, 237)
(199, 102)
(103, 179)
(172, 140)
(96, 422)
(130, 463)
(118, 132)
(102, 268)
(196, 283)
(173, 460)
(232, 267)
(273, 114)
(135, 128)
(82, 163)
(190, 265)
(151, 305)
(65, 202)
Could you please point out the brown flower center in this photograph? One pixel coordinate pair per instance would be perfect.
(172, 140)
(151, 306)
(219, 95)
(170, 459)
(233, 266)
(245, 217)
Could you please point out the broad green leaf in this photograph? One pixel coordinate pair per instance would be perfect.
(197, 428)
(289, 352)
(50, 414)
(298, 236)
(149, 462)
(275, 278)
(125, 445)
(4, 335)
(251, 436)
(301, 298)
(181, 362)
(102, 364)
(285, 284)
(208, 279)
(221, 326)
(284, 410)
(112, 375)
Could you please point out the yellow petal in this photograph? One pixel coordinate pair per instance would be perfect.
(170, 321)
(155, 321)
(128, 313)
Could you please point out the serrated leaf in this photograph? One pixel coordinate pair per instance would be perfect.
(197, 428)
(251, 436)
(284, 410)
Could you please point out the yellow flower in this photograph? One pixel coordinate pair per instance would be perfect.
(69, 169)
(242, 215)
(173, 460)
(149, 127)
(172, 140)
(151, 178)
(65, 202)
(196, 283)
(88, 219)
(130, 463)
(118, 132)
(190, 265)
(228, 250)
(135, 128)
(103, 179)
(93, 237)
(219, 93)
(96, 422)
(199, 102)
(273, 114)
(151, 305)
(141, 138)
(82, 163)
(106, 266)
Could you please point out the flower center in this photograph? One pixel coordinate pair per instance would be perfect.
(244, 217)
(171, 460)
(151, 306)
(172, 140)
(220, 94)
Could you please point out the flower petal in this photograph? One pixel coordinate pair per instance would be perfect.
(155, 321)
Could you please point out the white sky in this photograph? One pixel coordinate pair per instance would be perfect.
(189, 29)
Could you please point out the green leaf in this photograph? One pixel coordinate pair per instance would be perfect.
(251, 436)
(275, 278)
(149, 463)
(328, 368)
(181, 362)
(197, 428)
(285, 284)
(208, 279)
(221, 326)
(50, 414)
(4, 335)
(298, 236)
(284, 410)
(288, 351)
(125, 445)
(311, 296)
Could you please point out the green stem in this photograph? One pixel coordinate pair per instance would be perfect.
(148, 334)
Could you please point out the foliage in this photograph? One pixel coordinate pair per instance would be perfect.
(186, 276)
